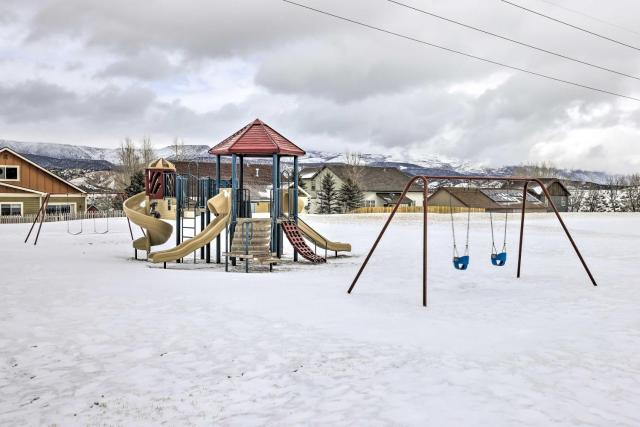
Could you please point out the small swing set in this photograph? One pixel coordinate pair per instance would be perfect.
(498, 258)
(42, 214)
(81, 229)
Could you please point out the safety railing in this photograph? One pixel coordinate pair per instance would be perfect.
(52, 217)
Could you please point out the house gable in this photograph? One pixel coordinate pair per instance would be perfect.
(34, 177)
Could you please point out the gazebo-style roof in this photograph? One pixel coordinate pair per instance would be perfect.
(257, 139)
(161, 163)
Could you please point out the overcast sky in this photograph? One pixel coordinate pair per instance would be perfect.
(91, 72)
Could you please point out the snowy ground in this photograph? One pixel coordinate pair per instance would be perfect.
(89, 336)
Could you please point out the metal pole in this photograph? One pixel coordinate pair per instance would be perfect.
(524, 208)
(44, 213)
(202, 249)
(566, 230)
(130, 230)
(425, 222)
(279, 235)
(384, 228)
(179, 209)
(274, 202)
(234, 200)
(295, 199)
(208, 217)
(241, 200)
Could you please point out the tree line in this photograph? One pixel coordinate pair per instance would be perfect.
(621, 194)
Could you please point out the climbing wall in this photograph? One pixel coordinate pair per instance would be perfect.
(292, 232)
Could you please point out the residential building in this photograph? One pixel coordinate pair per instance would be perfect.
(25, 184)
(381, 186)
(489, 199)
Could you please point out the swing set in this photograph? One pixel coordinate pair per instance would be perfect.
(498, 259)
(42, 213)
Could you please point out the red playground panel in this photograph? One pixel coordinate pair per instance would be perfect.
(297, 241)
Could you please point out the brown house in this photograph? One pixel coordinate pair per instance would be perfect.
(489, 199)
(24, 185)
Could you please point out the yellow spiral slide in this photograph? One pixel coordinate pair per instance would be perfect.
(220, 206)
(156, 231)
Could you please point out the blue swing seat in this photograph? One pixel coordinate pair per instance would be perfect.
(461, 262)
(499, 259)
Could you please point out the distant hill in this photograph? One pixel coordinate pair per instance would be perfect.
(66, 156)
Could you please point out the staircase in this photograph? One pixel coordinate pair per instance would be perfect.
(252, 242)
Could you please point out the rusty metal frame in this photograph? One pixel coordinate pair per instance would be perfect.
(42, 212)
(425, 204)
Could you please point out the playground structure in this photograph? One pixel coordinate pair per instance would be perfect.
(462, 264)
(185, 198)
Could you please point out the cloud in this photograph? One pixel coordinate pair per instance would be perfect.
(144, 65)
(88, 71)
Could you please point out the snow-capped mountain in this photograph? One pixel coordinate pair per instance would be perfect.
(62, 151)
(67, 156)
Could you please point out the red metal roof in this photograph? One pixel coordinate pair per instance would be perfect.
(257, 139)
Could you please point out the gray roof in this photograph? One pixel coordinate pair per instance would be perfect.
(371, 178)
(508, 196)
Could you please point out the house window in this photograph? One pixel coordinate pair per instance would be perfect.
(10, 209)
(313, 186)
(9, 173)
(60, 209)
(369, 203)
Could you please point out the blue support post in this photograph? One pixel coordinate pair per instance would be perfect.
(274, 203)
(279, 235)
(234, 200)
(179, 206)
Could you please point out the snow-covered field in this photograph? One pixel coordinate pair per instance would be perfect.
(89, 336)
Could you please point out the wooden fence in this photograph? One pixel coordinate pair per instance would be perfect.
(28, 219)
(416, 209)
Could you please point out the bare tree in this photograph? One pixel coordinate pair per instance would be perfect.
(355, 169)
(614, 185)
(147, 153)
(576, 200)
(129, 161)
(594, 201)
(633, 192)
(178, 149)
(542, 169)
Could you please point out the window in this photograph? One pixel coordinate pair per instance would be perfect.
(9, 173)
(10, 209)
(369, 203)
(60, 209)
(313, 186)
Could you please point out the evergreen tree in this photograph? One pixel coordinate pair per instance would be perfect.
(350, 195)
(328, 196)
(136, 185)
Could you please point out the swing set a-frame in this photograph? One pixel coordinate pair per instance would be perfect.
(425, 179)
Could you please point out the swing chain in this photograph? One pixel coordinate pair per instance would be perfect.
(494, 249)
